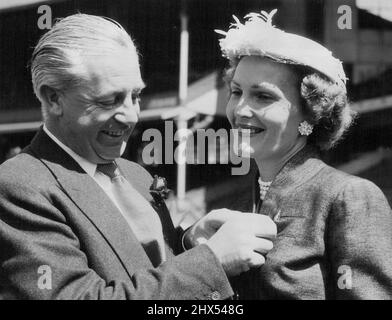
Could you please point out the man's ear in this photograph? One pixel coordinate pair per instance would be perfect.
(51, 98)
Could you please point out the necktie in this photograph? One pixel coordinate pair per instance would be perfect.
(139, 214)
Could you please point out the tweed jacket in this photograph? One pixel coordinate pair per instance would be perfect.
(334, 236)
(61, 237)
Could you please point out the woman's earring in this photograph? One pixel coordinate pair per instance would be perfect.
(305, 128)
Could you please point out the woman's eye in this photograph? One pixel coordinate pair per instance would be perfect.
(263, 96)
(235, 92)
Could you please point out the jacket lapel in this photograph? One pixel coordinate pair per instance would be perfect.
(170, 234)
(92, 201)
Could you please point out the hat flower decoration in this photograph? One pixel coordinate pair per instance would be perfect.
(258, 36)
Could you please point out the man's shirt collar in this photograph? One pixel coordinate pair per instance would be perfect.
(86, 165)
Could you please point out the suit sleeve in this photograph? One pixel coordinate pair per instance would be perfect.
(42, 258)
(360, 243)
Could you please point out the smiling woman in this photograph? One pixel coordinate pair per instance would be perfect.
(265, 99)
(288, 94)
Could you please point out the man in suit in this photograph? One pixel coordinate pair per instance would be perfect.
(79, 222)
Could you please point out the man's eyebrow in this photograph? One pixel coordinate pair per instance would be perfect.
(140, 87)
(110, 94)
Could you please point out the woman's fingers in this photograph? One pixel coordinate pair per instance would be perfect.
(262, 245)
(256, 260)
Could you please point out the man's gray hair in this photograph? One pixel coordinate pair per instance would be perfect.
(57, 59)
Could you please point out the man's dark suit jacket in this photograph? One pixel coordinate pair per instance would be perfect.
(56, 221)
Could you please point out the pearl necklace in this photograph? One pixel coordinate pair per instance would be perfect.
(264, 186)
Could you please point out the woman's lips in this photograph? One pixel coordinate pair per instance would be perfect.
(248, 129)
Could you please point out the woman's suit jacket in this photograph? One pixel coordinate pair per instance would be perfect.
(61, 237)
(334, 236)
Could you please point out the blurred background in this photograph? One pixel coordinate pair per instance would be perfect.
(161, 29)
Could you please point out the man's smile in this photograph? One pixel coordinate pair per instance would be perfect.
(114, 133)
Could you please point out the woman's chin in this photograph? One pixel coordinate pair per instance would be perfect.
(244, 151)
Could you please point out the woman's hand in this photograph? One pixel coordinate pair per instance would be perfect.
(238, 239)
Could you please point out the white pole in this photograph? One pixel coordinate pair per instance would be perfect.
(184, 43)
(182, 121)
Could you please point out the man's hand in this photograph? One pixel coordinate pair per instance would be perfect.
(239, 240)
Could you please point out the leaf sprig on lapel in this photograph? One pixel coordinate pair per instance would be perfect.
(159, 187)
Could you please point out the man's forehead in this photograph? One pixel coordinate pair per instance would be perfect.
(116, 61)
(117, 69)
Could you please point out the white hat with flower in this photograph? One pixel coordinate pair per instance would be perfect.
(257, 36)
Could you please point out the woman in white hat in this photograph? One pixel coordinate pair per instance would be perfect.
(288, 100)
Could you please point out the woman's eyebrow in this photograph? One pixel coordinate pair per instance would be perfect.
(268, 87)
(232, 82)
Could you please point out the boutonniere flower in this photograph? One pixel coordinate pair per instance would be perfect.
(159, 187)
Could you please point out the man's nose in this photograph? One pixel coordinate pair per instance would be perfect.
(128, 114)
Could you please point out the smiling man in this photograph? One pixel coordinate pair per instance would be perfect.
(96, 118)
(79, 222)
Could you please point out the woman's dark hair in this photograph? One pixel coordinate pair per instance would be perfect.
(326, 105)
